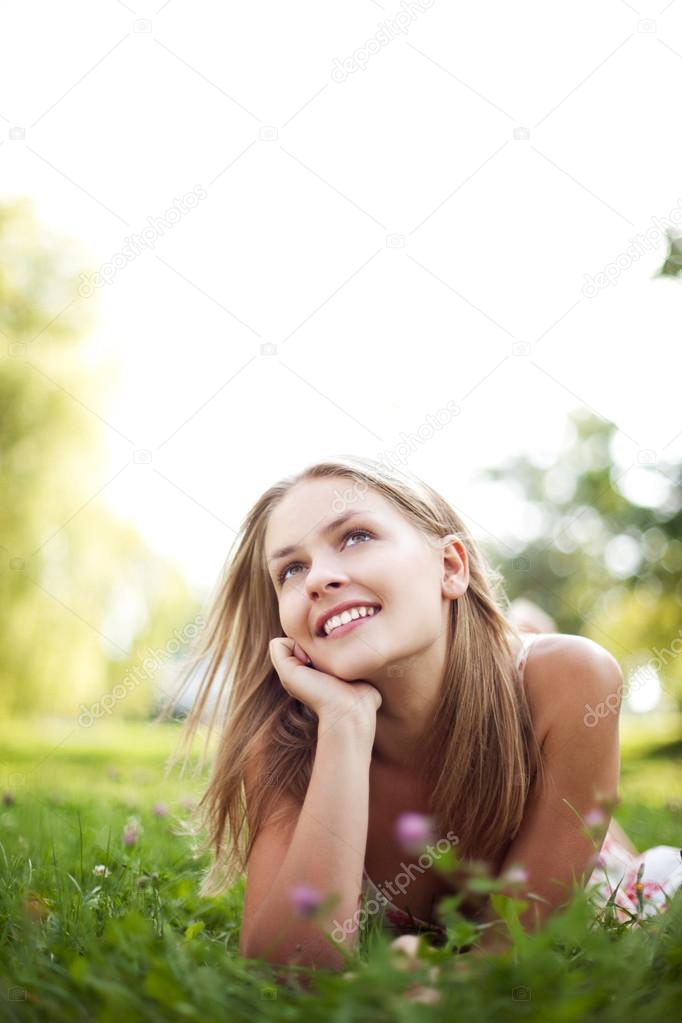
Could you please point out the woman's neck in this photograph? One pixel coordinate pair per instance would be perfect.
(399, 743)
(406, 716)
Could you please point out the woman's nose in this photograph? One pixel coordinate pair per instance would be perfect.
(320, 579)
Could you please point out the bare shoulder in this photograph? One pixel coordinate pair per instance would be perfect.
(565, 671)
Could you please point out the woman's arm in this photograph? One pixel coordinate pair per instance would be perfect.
(582, 761)
(326, 852)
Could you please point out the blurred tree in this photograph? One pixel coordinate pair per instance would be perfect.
(82, 598)
(601, 553)
(672, 267)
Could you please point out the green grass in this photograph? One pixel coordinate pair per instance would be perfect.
(140, 943)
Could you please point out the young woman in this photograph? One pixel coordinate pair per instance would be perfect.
(366, 670)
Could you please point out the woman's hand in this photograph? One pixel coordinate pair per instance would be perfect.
(331, 698)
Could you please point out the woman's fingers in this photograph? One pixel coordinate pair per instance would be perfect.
(320, 691)
(301, 654)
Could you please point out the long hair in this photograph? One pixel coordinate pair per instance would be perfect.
(482, 754)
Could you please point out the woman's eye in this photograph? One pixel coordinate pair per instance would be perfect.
(295, 564)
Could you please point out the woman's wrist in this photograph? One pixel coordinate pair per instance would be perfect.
(352, 725)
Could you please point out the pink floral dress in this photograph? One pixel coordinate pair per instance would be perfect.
(638, 885)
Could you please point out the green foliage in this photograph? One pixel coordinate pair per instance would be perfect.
(672, 266)
(70, 573)
(91, 929)
(580, 504)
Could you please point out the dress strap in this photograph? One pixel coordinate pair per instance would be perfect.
(522, 656)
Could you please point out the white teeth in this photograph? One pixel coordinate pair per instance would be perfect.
(348, 616)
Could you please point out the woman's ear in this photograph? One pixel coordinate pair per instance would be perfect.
(455, 567)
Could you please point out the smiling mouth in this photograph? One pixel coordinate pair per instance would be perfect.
(345, 627)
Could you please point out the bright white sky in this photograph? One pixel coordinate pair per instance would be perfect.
(307, 180)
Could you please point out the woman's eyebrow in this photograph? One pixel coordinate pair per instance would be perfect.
(282, 552)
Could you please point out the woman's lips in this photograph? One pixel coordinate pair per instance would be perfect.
(341, 630)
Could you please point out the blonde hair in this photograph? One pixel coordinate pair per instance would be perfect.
(482, 754)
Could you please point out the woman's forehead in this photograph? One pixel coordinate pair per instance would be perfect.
(308, 509)
(328, 497)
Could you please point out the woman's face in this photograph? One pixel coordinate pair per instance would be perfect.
(375, 557)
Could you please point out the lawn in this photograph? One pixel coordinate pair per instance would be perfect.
(97, 929)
